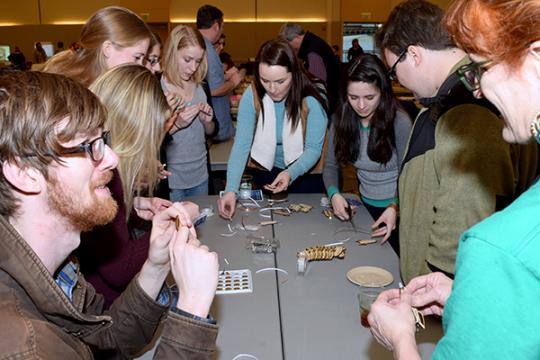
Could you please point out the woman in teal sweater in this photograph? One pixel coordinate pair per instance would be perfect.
(490, 309)
(281, 126)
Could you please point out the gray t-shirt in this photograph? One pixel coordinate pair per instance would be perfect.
(376, 181)
(186, 153)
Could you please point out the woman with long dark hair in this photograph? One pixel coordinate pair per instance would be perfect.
(370, 131)
(281, 126)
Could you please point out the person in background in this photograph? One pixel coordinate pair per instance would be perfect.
(152, 60)
(59, 47)
(75, 47)
(457, 169)
(337, 57)
(317, 57)
(112, 36)
(210, 24)
(184, 69)
(55, 167)
(281, 128)
(136, 112)
(488, 310)
(39, 54)
(17, 59)
(220, 44)
(370, 131)
(354, 51)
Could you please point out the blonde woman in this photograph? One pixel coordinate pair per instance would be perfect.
(113, 254)
(112, 36)
(184, 68)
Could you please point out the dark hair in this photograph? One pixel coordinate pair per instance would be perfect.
(279, 52)
(207, 15)
(226, 59)
(382, 140)
(34, 107)
(414, 22)
(155, 40)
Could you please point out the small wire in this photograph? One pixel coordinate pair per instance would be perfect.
(270, 269)
(244, 356)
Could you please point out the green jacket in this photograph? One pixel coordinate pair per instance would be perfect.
(457, 183)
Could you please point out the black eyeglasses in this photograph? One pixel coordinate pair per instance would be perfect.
(96, 147)
(392, 72)
(470, 74)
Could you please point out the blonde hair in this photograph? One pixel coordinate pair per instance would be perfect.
(136, 113)
(181, 37)
(119, 25)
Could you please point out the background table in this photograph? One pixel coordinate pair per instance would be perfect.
(314, 316)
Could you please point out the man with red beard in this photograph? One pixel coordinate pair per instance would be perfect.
(56, 164)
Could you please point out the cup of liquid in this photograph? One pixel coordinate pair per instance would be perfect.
(366, 297)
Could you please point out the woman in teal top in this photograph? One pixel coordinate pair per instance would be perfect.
(281, 127)
(490, 310)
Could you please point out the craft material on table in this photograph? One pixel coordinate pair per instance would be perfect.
(370, 276)
(318, 253)
(235, 282)
(329, 214)
(366, 242)
(300, 208)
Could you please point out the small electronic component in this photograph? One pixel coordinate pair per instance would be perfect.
(366, 242)
(260, 245)
(328, 213)
(268, 222)
(234, 282)
(300, 208)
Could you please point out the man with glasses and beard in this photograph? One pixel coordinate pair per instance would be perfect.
(56, 164)
(457, 169)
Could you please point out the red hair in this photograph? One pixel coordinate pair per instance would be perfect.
(500, 30)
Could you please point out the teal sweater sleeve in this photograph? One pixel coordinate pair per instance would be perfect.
(316, 129)
(492, 311)
(245, 129)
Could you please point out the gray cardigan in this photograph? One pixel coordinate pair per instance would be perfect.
(376, 181)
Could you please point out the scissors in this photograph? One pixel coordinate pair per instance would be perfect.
(350, 213)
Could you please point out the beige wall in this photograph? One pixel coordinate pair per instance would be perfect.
(248, 23)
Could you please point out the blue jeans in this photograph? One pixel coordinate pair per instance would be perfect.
(181, 194)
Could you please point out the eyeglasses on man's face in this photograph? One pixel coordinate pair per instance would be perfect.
(96, 147)
(392, 72)
(470, 74)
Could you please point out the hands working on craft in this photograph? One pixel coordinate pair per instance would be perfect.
(146, 207)
(280, 183)
(182, 115)
(391, 318)
(227, 203)
(194, 267)
(382, 227)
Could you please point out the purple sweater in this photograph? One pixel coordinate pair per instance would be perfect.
(111, 255)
